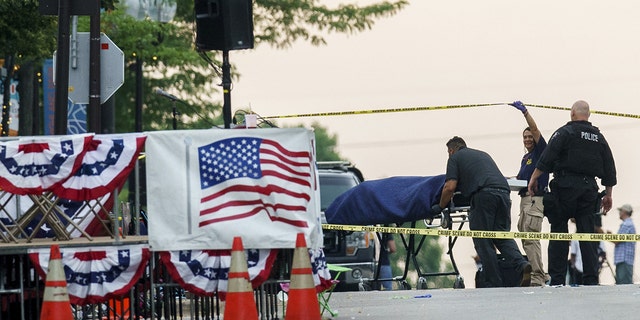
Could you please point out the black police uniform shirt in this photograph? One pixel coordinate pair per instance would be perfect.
(474, 170)
(579, 148)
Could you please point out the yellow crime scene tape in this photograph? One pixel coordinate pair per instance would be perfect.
(428, 108)
(489, 234)
(468, 233)
(358, 112)
(606, 113)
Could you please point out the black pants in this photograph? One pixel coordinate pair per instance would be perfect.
(491, 211)
(575, 276)
(577, 198)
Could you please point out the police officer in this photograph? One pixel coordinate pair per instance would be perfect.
(577, 153)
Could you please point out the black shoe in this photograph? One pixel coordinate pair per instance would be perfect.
(526, 275)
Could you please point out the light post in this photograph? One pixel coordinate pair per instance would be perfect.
(155, 10)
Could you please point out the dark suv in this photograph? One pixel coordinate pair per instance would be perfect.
(355, 250)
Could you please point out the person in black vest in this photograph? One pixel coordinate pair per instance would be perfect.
(478, 178)
(577, 153)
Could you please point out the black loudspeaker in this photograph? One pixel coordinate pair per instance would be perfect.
(224, 24)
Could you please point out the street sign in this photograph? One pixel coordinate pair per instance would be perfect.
(111, 69)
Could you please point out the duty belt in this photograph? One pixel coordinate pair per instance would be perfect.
(564, 173)
(525, 193)
(489, 189)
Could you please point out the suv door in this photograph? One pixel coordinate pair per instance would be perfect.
(354, 250)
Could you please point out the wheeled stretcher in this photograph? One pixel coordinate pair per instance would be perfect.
(403, 201)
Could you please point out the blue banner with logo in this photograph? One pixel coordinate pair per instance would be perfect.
(76, 113)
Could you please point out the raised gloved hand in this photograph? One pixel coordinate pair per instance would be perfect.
(519, 105)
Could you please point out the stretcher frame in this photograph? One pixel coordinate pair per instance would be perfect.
(452, 215)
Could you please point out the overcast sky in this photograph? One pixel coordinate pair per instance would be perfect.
(441, 53)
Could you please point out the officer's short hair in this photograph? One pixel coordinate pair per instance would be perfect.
(456, 143)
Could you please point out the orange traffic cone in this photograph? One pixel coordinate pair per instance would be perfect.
(55, 301)
(240, 303)
(303, 299)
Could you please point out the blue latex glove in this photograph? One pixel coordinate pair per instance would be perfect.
(519, 105)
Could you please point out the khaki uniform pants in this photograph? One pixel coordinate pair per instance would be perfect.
(530, 220)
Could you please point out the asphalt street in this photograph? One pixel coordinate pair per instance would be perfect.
(592, 302)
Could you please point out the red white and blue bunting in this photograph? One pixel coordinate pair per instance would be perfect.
(105, 166)
(205, 272)
(79, 167)
(36, 164)
(96, 274)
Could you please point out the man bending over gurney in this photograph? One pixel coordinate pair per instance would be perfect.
(477, 177)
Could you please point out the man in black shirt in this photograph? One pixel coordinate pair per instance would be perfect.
(477, 177)
(577, 153)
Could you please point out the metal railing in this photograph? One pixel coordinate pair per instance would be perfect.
(154, 296)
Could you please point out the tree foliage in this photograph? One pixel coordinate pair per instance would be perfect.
(25, 36)
(428, 260)
(25, 33)
(168, 55)
(326, 144)
(171, 61)
(281, 23)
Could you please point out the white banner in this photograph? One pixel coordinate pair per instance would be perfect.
(205, 187)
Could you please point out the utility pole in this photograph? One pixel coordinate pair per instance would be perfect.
(62, 69)
(64, 9)
(93, 110)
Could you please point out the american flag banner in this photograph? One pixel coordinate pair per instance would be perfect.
(96, 274)
(106, 165)
(244, 176)
(35, 164)
(205, 187)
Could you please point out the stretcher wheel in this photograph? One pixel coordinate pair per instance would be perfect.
(405, 285)
(459, 283)
(364, 287)
(422, 283)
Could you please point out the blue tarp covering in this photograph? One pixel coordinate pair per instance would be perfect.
(384, 201)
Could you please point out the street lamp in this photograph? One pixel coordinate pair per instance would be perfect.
(156, 10)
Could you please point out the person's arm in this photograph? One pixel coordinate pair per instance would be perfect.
(391, 245)
(527, 116)
(607, 200)
(447, 192)
(533, 127)
(533, 181)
